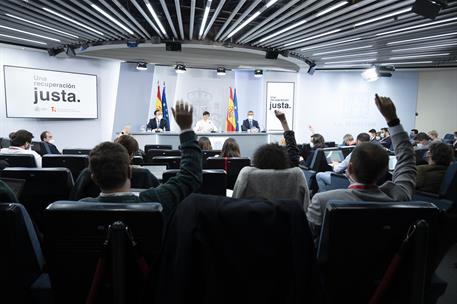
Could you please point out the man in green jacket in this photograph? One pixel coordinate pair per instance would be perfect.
(109, 164)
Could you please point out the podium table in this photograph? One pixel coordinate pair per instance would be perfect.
(248, 142)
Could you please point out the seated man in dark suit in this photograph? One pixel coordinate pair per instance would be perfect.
(158, 123)
(47, 143)
(109, 164)
(250, 125)
(369, 163)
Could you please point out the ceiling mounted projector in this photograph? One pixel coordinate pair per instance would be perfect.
(258, 73)
(221, 71)
(180, 68)
(428, 8)
(142, 66)
(373, 73)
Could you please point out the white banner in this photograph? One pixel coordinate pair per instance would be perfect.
(39, 93)
(280, 96)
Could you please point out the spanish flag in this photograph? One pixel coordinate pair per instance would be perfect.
(158, 99)
(231, 121)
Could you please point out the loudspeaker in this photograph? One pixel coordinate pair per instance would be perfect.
(428, 8)
(173, 46)
(271, 55)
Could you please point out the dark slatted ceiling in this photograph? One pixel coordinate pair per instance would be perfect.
(332, 33)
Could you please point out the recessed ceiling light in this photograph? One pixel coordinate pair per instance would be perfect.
(428, 24)
(22, 39)
(425, 47)
(283, 30)
(142, 66)
(350, 55)
(349, 61)
(313, 37)
(329, 44)
(112, 19)
(331, 8)
(271, 3)
(421, 38)
(344, 50)
(28, 33)
(244, 24)
(419, 56)
(42, 25)
(156, 18)
(72, 20)
(383, 17)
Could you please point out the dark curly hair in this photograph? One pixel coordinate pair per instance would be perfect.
(441, 153)
(271, 156)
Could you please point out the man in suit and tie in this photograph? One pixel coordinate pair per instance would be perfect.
(47, 144)
(158, 123)
(250, 125)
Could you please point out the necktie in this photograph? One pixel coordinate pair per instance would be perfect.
(250, 124)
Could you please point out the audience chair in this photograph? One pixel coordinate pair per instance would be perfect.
(75, 163)
(172, 162)
(244, 250)
(359, 240)
(85, 187)
(347, 150)
(76, 151)
(214, 181)
(446, 199)
(22, 276)
(160, 152)
(42, 187)
(155, 147)
(330, 144)
(210, 153)
(421, 156)
(74, 236)
(19, 160)
(231, 165)
(5, 142)
(448, 139)
(36, 146)
(137, 161)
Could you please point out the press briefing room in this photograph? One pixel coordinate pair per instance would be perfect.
(223, 151)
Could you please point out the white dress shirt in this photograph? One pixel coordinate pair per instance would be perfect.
(203, 126)
(19, 150)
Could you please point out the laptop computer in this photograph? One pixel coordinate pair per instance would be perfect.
(334, 156)
(15, 184)
(156, 170)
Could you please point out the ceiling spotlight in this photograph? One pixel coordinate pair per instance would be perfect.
(180, 68)
(258, 73)
(373, 73)
(221, 71)
(312, 66)
(142, 66)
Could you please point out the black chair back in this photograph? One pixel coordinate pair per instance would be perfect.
(5, 142)
(85, 187)
(42, 187)
(359, 240)
(75, 163)
(159, 147)
(347, 150)
(421, 156)
(330, 144)
(448, 188)
(76, 151)
(137, 160)
(19, 160)
(160, 152)
(210, 153)
(172, 162)
(319, 162)
(231, 165)
(36, 146)
(21, 259)
(74, 234)
(214, 181)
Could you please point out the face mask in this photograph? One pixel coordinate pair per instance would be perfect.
(378, 137)
(311, 145)
(250, 117)
(52, 141)
(159, 117)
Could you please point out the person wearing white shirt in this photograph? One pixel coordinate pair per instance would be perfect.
(205, 125)
(21, 142)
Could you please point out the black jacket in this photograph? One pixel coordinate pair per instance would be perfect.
(48, 148)
(223, 250)
(246, 126)
(152, 124)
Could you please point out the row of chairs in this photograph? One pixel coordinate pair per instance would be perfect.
(76, 234)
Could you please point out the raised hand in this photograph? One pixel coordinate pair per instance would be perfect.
(282, 118)
(386, 107)
(182, 113)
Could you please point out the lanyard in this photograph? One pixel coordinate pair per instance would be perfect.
(362, 186)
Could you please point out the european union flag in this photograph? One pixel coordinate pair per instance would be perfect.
(165, 108)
